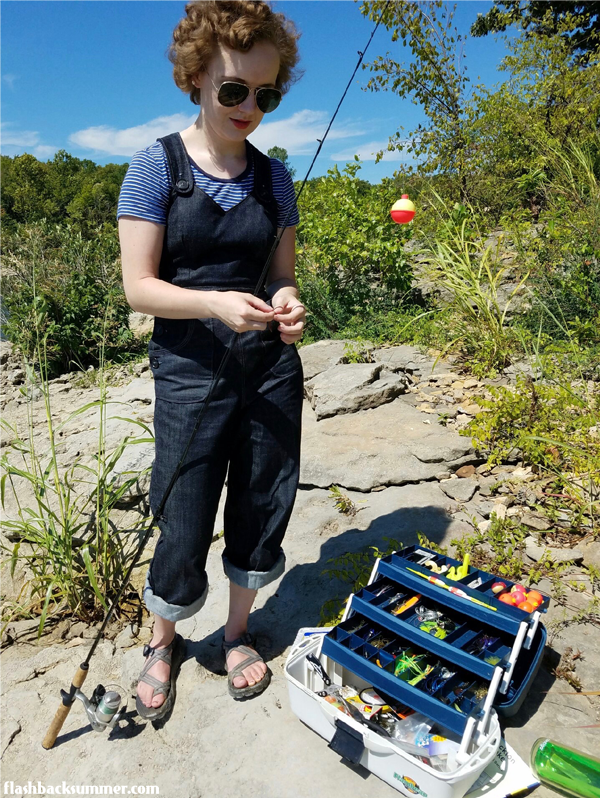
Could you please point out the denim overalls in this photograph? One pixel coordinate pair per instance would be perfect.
(251, 429)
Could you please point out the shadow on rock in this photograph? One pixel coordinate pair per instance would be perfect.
(304, 588)
(538, 691)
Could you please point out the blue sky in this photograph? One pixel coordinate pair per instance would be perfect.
(93, 78)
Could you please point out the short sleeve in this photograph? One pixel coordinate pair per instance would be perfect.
(283, 189)
(146, 187)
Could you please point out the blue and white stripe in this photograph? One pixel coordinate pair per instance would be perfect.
(147, 185)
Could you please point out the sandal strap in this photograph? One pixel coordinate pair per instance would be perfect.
(241, 666)
(246, 639)
(165, 654)
(159, 687)
(241, 644)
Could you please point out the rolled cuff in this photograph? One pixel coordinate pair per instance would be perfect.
(254, 580)
(171, 612)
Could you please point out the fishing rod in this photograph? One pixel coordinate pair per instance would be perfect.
(103, 707)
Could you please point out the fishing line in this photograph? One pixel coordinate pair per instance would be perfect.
(68, 698)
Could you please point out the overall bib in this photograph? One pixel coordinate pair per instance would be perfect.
(250, 432)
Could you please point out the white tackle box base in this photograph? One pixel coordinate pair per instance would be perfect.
(381, 756)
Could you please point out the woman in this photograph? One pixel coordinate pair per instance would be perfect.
(198, 213)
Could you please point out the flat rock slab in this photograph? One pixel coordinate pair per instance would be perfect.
(387, 445)
(535, 552)
(352, 387)
(325, 354)
(404, 358)
(460, 489)
(10, 729)
(138, 391)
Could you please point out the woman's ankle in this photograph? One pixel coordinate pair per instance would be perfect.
(163, 632)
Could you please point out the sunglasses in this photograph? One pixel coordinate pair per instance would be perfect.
(230, 94)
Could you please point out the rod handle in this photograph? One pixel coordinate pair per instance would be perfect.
(64, 709)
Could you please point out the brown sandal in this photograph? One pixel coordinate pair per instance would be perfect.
(173, 655)
(241, 645)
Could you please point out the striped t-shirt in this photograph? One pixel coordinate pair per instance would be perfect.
(146, 187)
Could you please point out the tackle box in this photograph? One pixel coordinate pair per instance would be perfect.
(378, 754)
(488, 655)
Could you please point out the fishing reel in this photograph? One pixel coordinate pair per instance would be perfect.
(102, 708)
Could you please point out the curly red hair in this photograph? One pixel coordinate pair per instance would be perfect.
(237, 24)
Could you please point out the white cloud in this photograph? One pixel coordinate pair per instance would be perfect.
(10, 79)
(45, 151)
(20, 141)
(111, 141)
(18, 138)
(298, 133)
(367, 152)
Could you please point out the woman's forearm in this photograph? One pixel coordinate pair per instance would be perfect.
(159, 298)
(277, 285)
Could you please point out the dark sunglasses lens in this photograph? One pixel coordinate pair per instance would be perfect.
(231, 94)
(267, 100)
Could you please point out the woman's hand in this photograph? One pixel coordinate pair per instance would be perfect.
(291, 315)
(241, 311)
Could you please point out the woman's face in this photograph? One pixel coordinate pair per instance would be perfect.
(258, 67)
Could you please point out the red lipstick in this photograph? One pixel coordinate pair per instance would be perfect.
(240, 123)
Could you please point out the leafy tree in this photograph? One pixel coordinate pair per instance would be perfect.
(547, 18)
(281, 154)
(25, 193)
(63, 188)
(96, 201)
(548, 103)
(435, 79)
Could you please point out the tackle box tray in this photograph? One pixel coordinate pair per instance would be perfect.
(477, 584)
(376, 666)
(481, 645)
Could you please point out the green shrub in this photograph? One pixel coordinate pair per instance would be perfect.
(471, 274)
(555, 427)
(565, 253)
(68, 288)
(349, 254)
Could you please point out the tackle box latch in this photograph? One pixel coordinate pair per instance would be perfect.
(347, 742)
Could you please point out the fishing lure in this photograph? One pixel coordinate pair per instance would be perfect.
(396, 597)
(437, 679)
(407, 605)
(382, 590)
(481, 644)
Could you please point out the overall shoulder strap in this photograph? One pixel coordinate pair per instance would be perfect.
(263, 183)
(182, 181)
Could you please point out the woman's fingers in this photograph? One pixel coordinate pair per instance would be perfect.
(259, 304)
(256, 314)
(290, 314)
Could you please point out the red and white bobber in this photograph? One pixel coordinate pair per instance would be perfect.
(403, 210)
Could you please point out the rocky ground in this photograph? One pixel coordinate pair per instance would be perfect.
(387, 433)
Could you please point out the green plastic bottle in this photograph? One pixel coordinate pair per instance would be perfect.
(571, 771)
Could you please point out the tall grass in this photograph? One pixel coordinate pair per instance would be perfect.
(469, 274)
(556, 422)
(65, 536)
